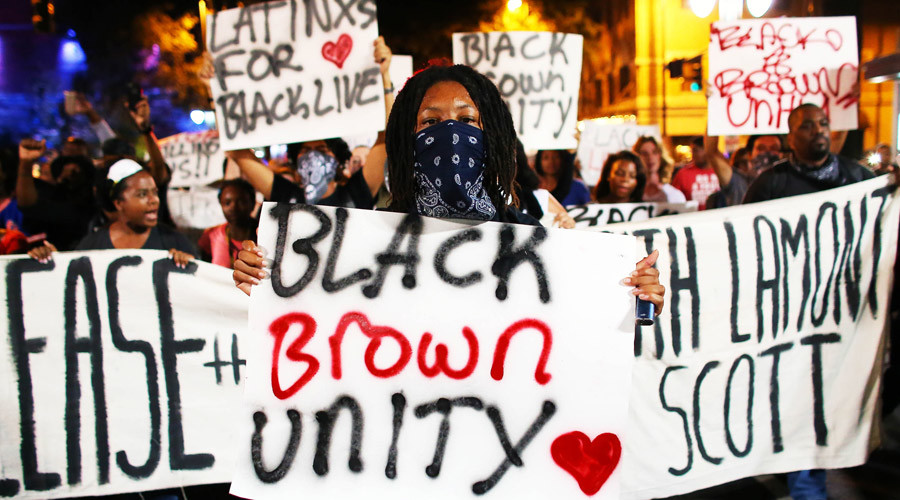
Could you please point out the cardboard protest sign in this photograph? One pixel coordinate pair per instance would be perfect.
(405, 357)
(401, 70)
(197, 207)
(196, 158)
(121, 371)
(600, 214)
(600, 139)
(295, 71)
(538, 74)
(761, 69)
(768, 357)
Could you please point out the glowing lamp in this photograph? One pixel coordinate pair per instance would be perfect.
(702, 8)
(757, 8)
(198, 116)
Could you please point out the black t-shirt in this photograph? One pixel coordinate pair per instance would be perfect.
(783, 180)
(60, 213)
(161, 238)
(354, 194)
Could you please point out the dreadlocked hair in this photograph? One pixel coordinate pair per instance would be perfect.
(496, 124)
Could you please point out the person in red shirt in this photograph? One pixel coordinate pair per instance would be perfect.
(697, 180)
(221, 244)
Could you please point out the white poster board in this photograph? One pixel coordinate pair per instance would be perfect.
(401, 70)
(599, 139)
(196, 158)
(121, 373)
(408, 382)
(295, 71)
(601, 214)
(196, 207)
(538, 74)
(761, 69)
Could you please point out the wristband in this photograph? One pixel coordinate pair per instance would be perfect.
(147, 130)
(389, 90)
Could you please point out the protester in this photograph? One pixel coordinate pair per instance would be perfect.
(886, 163)
(357, 160)
(444, 111)
(659, 171)
(221, 244)
(556, 169)
(61, 210)
(697, 180)
(735, 178)
(810, 168)
(535, 201)
(78, 104)
(622, 179)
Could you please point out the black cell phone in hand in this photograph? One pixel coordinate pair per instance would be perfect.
(644, 312)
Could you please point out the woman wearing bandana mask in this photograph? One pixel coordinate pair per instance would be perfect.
(451, 147)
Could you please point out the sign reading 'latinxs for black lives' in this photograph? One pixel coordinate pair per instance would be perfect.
(289, 71)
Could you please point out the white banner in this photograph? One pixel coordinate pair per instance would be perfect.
(196, 158)
(196, 207)
(122, 370)
(761, 69)
(477, 367)
(295, 71)
(601, 214)
(768, 358)
(599, 140)
(121, 373)
(538, 74)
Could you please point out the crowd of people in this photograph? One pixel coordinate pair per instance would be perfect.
(449, 150)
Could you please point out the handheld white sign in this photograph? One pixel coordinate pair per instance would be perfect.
(295, 71)
(196, 158)
(761, 69)
(601, 214)
(402, 357)
(599, 140)
(538, 74)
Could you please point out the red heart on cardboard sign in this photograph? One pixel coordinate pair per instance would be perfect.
(338, 52)
(589, 462)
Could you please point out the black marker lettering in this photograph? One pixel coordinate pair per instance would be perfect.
(440, 259)
(326, 420)
(170, 349)
(509, 258)
(121, 343)
(411, 226)
(273, 476)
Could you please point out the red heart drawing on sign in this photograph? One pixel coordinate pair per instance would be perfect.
(338, 52)
(589, 462)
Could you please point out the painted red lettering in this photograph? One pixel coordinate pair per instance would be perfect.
(375, 333)
(540, 373)
(279, 329)
(440, 357)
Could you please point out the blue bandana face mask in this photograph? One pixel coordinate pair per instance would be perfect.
(449, 168)
(316, 170)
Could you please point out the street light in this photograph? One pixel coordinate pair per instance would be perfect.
(729, 10)
(758, 7)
